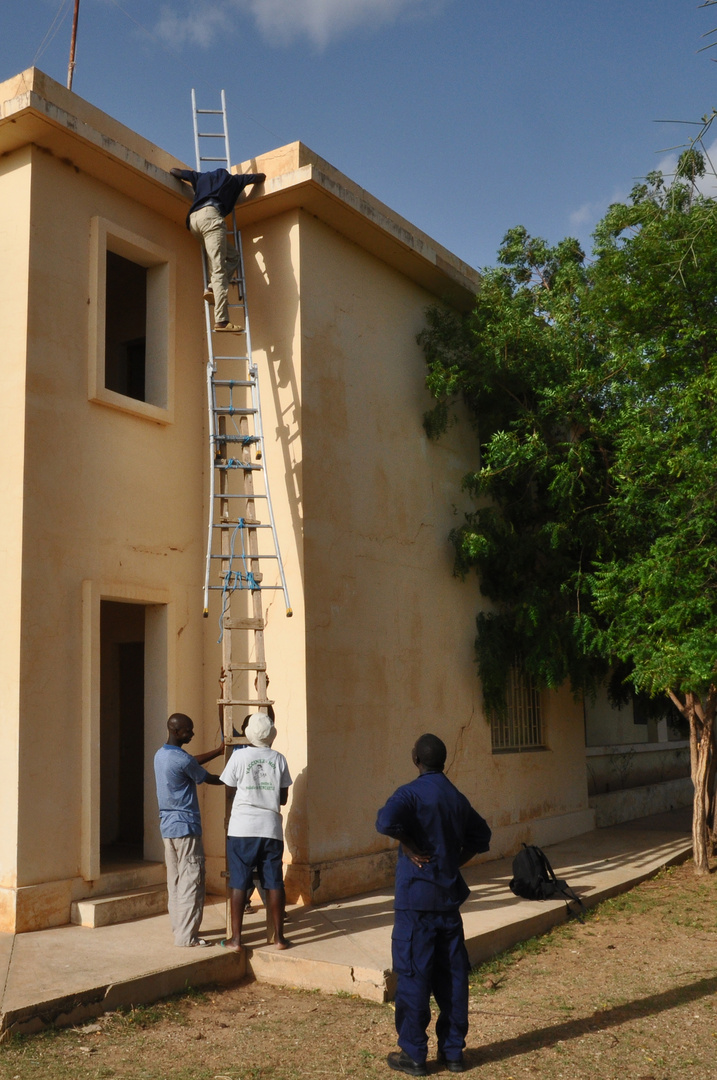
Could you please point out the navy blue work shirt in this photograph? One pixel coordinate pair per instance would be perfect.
(441, 823)
(219, 188)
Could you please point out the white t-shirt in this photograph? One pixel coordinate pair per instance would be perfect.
(258, 774)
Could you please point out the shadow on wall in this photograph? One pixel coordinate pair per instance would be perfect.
(279, 304)
(296, 876)
(620, 770)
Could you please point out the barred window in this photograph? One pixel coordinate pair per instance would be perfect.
(520, 726)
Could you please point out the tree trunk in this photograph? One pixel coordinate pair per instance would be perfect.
(701, 719)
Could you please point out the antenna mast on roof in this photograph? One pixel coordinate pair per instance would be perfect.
(73, 42)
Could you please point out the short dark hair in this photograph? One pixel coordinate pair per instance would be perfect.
(431, 752)
(177, 720)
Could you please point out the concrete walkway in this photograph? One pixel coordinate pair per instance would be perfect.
(72, 974)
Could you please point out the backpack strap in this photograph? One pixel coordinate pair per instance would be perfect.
(571, 897)
(549, 872)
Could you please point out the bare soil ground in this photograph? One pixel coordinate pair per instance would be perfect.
(628, 995)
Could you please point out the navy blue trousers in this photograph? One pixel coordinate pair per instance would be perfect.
(429, 957)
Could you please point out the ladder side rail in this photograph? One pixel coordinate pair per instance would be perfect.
(226, 678)
(254, 567)
(212, 484)
(197, 154)
(259, 430)
(227, 153)
(235, 233)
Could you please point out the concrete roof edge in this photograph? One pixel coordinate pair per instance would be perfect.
(33, 106)
(33, 89)
(296, 165)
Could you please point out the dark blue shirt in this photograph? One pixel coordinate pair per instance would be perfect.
(220, 188)
(441, 823)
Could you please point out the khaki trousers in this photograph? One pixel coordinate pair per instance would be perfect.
(207, 224)
(184, 856)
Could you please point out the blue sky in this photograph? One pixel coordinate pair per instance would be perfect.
(465, 116)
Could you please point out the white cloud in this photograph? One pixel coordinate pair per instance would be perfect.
(201, 22)
(588, 215)
(707, 185)
(200, 25)
(585, 217)
(280, 21)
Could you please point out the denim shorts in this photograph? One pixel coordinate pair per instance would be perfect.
(245, 853)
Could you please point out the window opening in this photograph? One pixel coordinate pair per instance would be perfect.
(520, 726)
(126, 327)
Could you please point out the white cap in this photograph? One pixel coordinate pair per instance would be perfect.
(259, 730)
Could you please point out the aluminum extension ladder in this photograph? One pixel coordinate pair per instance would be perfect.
(239, 485)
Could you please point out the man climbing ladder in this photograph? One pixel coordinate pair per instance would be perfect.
(215, 196)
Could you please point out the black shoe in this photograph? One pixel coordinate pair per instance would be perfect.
(403, 1062)
(452, 1064)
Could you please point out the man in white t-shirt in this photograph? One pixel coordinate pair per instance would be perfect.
(255, 837)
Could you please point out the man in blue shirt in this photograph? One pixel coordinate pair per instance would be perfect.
(215, 196)
(177, 774)
(438, 831)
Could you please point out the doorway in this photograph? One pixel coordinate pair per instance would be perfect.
(122, 733)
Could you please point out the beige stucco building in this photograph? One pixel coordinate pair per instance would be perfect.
(103, 487)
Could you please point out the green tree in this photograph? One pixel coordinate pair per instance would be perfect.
(592, 388)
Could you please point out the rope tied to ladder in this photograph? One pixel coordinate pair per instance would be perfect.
(235, 579)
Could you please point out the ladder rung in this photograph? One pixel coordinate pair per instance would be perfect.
(247, 665)
(237, 555)
(233, 382)
(249, 467)
(243, 701)
(242, 357)
(212, 159)
(210, 112)
(238, 495)
(229, 410)
(237, 438)
(242, 624)
(259, 588)
(233, 525)
(211, 135)
(232, 465)
(248, 523)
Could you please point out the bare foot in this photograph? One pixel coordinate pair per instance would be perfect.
(282, 943)
(231, 946)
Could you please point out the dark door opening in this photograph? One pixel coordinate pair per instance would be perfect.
(122, 648)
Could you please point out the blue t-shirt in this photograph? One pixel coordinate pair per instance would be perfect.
(441, 823)
(177, 774)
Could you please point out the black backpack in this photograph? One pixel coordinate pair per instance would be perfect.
(534, 879)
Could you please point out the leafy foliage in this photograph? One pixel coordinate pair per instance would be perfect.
(591, 386)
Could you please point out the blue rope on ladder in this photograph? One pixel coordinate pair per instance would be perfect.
(235, 579)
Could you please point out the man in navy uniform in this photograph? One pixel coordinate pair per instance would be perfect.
(438, 831)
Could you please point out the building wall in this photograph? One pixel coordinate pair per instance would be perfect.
(380, 644)
(14, 256)
(389, 630)
(112, 505)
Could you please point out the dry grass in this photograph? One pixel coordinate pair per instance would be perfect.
(629, 995)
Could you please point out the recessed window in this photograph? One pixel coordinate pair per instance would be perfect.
(520, 726)
(125, 326)
(131, 322)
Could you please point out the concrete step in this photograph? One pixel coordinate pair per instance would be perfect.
(120, 907)
(375, 983)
